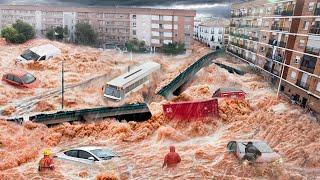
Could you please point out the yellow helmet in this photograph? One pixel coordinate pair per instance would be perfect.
(47, 152)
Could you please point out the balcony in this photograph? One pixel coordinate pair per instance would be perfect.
(308, 63)
(283, 13)
(312, 50)
(279, 28)
(314, 30)
(303, 85)
(276, 57)
(277, 43)
(317, 12)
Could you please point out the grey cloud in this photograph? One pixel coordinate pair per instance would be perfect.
(222, 9)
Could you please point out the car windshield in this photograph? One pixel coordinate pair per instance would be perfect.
(112, 91)
(104, 154)
(28, 78)
(262, 146)
(29, 55)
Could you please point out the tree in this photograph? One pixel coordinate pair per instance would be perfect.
(57, 33)
(136, 46)
(50, 33)
(25, 29)
(9, 33)
(85, 34)
(173, 48)
(19, 32)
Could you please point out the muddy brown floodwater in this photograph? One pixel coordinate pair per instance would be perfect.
(201, 144)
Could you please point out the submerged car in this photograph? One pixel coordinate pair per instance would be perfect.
(267, 154)
(21, 79)
(87, 155)
(39, 53)
(230, 93)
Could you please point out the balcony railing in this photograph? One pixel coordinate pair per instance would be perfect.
(277, 43)
(314, 30)
(283, 13)
(308, 63)
(312, 50)
(280, 28)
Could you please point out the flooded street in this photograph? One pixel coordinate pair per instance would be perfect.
(291, 132)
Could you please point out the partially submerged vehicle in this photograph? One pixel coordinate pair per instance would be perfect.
(39, 53)
(191, 109)
(131, 81)
(21, 79)
(267, 154)
(87, 155)
(230, 93)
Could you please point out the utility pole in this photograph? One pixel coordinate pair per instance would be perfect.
(62, 84)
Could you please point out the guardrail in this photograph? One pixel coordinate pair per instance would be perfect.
(130, 112)
(183, 77)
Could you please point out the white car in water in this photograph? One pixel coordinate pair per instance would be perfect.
(87, 155)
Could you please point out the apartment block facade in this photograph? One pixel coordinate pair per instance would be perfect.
(282, 38)
(210, 32)
(113, 24)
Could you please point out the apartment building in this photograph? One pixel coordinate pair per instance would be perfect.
(210, 32)
(282, 38)
(113, 24)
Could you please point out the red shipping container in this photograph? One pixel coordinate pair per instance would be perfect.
(191, 109)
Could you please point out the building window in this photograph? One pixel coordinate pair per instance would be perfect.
(293, 75)
(318, 87)
(161, 26)
(134, 16)
(161, 33)
(305, 25)
(134, 32)
(134, 24)
(311, 6)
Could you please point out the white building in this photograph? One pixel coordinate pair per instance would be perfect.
(210, 32)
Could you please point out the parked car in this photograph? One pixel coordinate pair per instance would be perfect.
(87, 155)
(229, 92)
(21, 79)
(39, 53)
(267, 154)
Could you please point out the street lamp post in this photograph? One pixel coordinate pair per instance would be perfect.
(62, 84)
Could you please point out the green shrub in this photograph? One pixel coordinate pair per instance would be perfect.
(136, 46)
(57, 33)
(19, 32)
(85, 34)
(173, 48)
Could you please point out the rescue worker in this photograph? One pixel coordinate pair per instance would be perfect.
(46, 163)
(251, 152)
(172, 158)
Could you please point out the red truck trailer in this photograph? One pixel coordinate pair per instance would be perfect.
(230, 92)
(190, 110)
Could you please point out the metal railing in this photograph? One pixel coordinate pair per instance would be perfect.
(190, 71)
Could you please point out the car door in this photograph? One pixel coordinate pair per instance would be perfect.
(84, 155)
(71, 155)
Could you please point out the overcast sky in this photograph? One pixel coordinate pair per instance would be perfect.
(219, 8)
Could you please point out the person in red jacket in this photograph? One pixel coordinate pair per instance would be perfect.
(46, 163)
(172, 158)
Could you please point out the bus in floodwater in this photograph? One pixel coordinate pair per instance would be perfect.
(131, 81)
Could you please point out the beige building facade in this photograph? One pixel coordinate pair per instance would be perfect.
(113, 24)
(282, 38)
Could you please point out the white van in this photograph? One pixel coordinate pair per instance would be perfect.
(39, 53)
